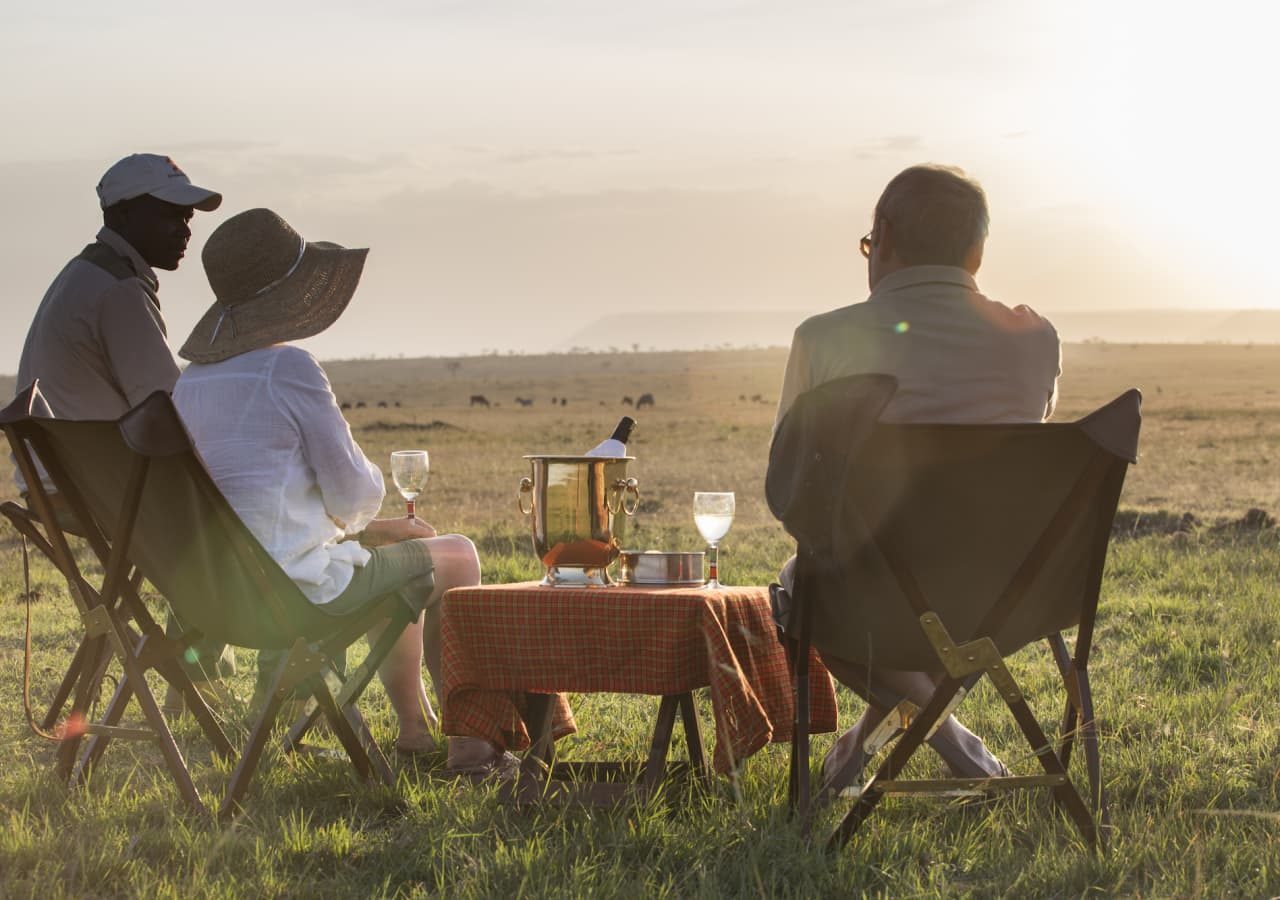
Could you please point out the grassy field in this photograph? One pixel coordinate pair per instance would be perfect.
(1186, 688)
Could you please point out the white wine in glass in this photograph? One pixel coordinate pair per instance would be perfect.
(713, 514)
(409, 469)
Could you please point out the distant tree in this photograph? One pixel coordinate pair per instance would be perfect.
(453, 365)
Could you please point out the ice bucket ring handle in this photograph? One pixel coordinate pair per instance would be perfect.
(526, 487)
(626, 497)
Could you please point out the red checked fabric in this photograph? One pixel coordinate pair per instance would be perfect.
(499, 639)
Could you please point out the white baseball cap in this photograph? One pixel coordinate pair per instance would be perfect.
(159, 176)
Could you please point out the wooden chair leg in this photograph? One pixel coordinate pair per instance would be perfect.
(377, 759)
(136, 675)
(346, 734)
(97, 743)
(1067, 732)
(800, 788)
(174, 675)
(335, 690)
(1071, 712)
(1066, 794)
(65, 688)
(88, 685)
(1093, 762)
(911, 741)
(249, 758)
(292, 670)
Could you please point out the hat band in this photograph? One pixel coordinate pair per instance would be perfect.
(302, 248)
(227, 308)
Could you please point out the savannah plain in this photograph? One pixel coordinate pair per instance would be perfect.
(1183, 672)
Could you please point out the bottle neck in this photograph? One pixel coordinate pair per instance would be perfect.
(622, 433)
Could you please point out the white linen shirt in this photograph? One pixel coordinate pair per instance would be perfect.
(268, 427)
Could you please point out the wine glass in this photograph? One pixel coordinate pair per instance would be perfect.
(409, 469)
(713, 514)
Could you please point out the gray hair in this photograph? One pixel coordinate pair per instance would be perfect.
(938, 214)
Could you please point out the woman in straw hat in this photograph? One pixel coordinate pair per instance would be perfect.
(266, 422)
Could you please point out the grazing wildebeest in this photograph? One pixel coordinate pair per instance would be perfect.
(627, 401)
(397, 404)
(644, 400)
(564, 401)
(360, 404)
(554, 401)
(525, 401)
(479, 400)
(346, 404)
(382, 404)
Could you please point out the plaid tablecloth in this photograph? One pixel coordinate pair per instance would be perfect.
(500, 640)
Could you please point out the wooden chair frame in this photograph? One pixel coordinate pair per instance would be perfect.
(966, 663)
(118, 624)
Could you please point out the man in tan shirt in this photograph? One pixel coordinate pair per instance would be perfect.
(97, 341)
(959, 357)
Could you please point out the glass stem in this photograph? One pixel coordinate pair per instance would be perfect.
(714, 564)
(409, 504)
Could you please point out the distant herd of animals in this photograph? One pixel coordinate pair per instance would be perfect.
(640, 402)
(360, 404)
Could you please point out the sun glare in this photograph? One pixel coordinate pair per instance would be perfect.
(1170, 112)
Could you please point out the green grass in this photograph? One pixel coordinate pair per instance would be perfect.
(1184, 676)
(1186, 696)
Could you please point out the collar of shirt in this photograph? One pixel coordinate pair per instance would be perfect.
(125, 249)
(914, 276)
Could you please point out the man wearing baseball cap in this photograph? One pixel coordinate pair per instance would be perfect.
(98, 341)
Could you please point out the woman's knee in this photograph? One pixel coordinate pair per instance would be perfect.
(455, 558)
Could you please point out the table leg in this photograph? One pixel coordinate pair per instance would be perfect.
(693, 737)
(655, 768)
(539, 715)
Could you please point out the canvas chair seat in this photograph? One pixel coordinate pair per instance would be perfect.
(944, 548)
(153, 507)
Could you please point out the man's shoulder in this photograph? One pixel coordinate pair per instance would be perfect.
(1018, 320)
(82, 279)
(842, 317)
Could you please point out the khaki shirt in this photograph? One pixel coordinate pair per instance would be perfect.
(958, 356)
(97, 342)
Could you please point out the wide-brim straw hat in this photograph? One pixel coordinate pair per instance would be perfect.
(271, 286)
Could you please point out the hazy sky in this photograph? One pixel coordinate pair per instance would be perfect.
(520, 168)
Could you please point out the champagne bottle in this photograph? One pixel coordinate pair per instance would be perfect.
(616, 443)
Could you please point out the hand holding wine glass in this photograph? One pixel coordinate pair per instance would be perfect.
(409, 469)
(713, 514)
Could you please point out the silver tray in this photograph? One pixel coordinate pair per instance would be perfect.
(659, 567)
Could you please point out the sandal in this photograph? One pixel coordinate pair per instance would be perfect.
(503, 765)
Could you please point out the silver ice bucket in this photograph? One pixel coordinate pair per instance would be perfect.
(578, 506)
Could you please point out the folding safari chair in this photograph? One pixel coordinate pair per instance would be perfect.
(89, 664)
(946, 548)
(153, 506)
